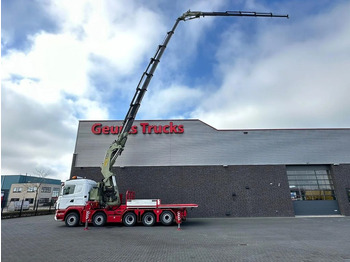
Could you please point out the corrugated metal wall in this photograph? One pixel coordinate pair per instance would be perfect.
(201, 144)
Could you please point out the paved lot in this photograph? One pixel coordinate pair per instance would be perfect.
(226, 239)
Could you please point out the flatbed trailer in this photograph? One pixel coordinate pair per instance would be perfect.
(145, 211)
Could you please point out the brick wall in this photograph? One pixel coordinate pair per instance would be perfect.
(236, 191)
(341, 179)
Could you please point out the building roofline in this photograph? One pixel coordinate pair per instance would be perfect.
(230, 129)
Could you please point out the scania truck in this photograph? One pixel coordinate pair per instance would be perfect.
(74, 207)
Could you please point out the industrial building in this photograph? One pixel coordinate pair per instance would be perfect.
(237, 173)
(40, 190)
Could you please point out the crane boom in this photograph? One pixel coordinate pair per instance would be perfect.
(196, 14)
(108, 192)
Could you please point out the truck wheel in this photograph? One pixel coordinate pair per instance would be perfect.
(167, 218)
(72, 220)
(148, 219)
(99, 219)
(129, 219)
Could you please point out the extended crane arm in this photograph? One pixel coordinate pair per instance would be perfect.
(196, 14)
(117, 147)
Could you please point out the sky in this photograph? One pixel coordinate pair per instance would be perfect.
(63, 61)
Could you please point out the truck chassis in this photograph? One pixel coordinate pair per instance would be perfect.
(145, 211)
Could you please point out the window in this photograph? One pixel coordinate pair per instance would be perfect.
(17, 190)
(31, 189)
(310, 183)
(30, 200)
(46, 190)
(55, 192)
(44, 200)
(68, 190)
(14, 199)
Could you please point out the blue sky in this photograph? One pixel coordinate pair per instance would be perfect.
(65, 61)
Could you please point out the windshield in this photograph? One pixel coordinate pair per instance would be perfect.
(68, 189)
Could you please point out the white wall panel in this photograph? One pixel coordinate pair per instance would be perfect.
(201, 144)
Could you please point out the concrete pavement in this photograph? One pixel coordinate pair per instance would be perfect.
(304, 239)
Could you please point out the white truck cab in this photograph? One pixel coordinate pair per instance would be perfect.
(75, 192)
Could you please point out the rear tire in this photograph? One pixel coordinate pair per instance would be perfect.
(99, 219)
(72, 220)
(148, 219)
(129, 219)
(167, 218)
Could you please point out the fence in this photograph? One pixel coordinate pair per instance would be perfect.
(21, 209)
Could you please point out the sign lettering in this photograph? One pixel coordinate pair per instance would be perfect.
(144, 127)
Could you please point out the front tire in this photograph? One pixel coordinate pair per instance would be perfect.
(148, 219)
(129, 219)
(72, 220)
(99, 219)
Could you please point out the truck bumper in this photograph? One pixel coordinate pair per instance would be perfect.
(59, 215)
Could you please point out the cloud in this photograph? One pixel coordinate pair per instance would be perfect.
(112, 31)
(33, 19)
(284, 79)
(49, 85)
(48, 69)
(34, 135)
(173, 101)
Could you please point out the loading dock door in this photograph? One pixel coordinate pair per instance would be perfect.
(312, 190)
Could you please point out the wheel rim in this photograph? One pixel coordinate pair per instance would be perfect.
(72, 220)
(167, 218)
(148, 219)
(99, 220)
(129, 219)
